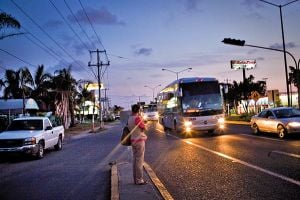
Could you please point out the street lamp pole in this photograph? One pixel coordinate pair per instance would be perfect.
(152, 88)
(176, 72)
(283, 41)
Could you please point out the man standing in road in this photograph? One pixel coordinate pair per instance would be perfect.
(138, 138)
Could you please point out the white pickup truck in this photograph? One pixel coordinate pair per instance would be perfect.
(31, 135)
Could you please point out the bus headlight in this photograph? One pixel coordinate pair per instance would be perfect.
(187, 125)
(221, 122)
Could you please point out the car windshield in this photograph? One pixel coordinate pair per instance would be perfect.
(287, 113)
(25, 125)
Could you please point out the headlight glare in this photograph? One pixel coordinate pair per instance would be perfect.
(221, 120)
(187, 123)
(294, 124)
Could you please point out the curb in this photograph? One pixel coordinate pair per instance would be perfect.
(157, 183)
(115, 193)
(114, 183)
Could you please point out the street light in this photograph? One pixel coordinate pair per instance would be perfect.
(283, 42)
(242, 43)
(177, 71)
(152, 88)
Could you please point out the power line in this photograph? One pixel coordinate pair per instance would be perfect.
(47, 34)
(28, 63)
(99, 40)
(69, 25)
(82, 29)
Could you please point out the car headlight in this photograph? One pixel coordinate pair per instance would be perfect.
(294, 124)
(30, 141)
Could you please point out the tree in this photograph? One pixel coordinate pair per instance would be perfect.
(18, 84)
(7, 22)
(295, 79)
(64, 86)
(42, 82)
(84, 94)
(242, 91)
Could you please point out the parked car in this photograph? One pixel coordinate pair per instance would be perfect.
(281, 120)
(31, 135)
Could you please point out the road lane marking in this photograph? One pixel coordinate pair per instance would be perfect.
(159, 130)
(158, 184)
(278, 140)
(242, 162)
(285, 153)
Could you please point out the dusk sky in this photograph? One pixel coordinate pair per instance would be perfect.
(143, 36)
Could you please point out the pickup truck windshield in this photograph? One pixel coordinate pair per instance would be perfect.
(25, 125)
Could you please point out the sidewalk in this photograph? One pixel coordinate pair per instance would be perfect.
(122, 186)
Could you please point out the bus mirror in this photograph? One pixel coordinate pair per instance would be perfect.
(180, 92)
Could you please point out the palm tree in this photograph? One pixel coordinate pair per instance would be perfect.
(84, 94)
(7, 21)
(18, 84)
(242, 91)
(295, 79)
(64, 86)
(42, 82)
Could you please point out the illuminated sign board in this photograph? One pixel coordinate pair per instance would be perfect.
(93, 86)
(243, 64)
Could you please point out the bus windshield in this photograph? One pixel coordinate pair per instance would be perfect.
(201, 97)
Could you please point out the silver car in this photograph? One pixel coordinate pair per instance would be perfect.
(281, 120)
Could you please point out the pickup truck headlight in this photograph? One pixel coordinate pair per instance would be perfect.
(30, 141)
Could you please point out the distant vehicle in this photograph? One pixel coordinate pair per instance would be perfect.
(281, 120)
(191, 104)
(31, 135)
(150, 112)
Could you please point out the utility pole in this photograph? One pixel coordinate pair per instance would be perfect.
(99, 65)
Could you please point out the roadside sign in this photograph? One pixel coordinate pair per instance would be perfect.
(255, 95)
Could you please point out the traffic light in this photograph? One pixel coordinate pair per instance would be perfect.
(234, 42)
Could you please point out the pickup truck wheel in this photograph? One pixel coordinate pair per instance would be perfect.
(40, 152)
(58, 146)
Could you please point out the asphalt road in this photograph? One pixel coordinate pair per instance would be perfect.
(80, 170)
(235, 165)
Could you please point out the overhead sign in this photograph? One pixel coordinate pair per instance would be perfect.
(243, 64)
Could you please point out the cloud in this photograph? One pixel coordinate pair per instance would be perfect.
(53, 24)
(289, 45)
(252, 6)
(143, 51)
(191, 5)
(97, 16)
(260, 58)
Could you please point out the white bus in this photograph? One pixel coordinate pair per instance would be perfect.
(191, 104)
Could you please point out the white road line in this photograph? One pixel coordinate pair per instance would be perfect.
(285, 153)
(243, 162)
(159, 130)
(278, 140)
(158, 184)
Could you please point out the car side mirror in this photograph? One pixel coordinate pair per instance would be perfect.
(48, 128)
